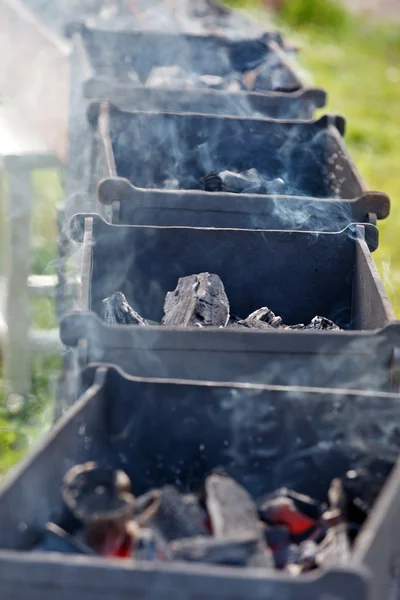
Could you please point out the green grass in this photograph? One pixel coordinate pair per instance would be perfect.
(358, 62)
(21, 425)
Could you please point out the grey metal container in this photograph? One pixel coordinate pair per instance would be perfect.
(126, 422)
(310, 157)
(109, 55)
(296, 274)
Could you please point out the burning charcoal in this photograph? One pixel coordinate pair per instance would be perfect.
(166, 511)
(283, 511)
(116, 310)
(234, 552)
(56, 539)
(306, 505)
(197, 300)
(232, 511)
(212, 182)
(265, 315)
(101, 500)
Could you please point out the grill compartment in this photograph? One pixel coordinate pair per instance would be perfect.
(234, 425)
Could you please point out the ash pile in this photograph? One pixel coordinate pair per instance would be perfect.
(220, 524)
(201, 301)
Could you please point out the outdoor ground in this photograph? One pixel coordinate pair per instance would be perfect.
(358, 61)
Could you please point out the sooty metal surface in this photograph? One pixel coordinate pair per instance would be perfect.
(295, 274)
(218, 425)
(109, 56)
(355, 359)
(310, 157)
(114, 54)
(190, 208)
(302, 273)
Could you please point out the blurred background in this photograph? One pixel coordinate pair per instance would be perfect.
(350, 47)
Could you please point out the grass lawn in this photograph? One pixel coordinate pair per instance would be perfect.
(358, 62)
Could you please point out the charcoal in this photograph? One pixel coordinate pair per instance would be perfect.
(249, 182)
(282, 510)
(335, 548)
(171, 76)
(252, 324)
(302, 558)
(166, 511)
(197, 300)
(316, 324)
(93, 493)
(232, 511)
(116, 310)
(265, 315)
(234, 552)
(212, 182)
(286, 555)
(303, 503)
(212, 81)
(322, 324)
(277, 536)
(150, 546)
(361, 487)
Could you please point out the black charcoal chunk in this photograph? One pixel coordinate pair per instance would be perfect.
(197, 300)
(277, 536)
(212, 182)
(233, 552)
(303, 503)
(249, 182)
(116, 310)
(322, 324)
(316, 324)
(252, 324)
(265, 315)
(169, 514)
(232, 511)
